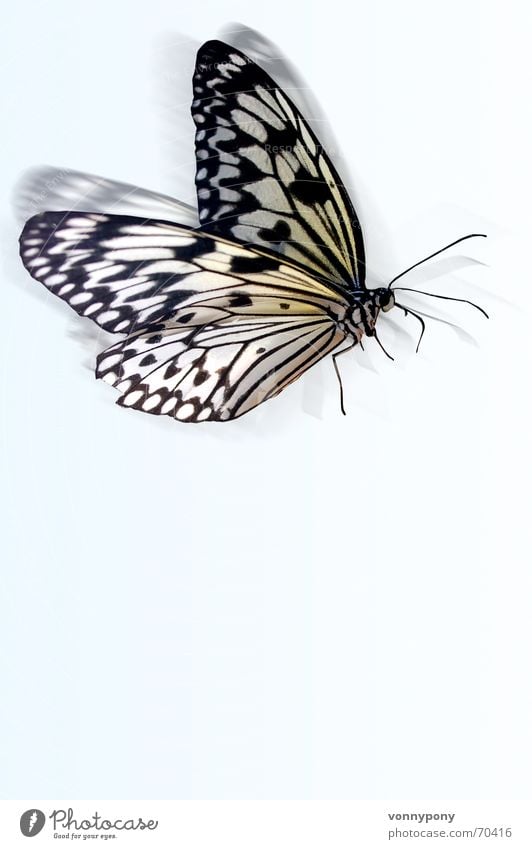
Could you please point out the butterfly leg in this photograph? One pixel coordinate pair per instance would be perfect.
(338, 353)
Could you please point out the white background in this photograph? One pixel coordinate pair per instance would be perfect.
(295, 605)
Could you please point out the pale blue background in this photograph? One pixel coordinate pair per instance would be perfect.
(295, 605)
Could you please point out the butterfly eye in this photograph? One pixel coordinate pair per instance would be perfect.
(386, 299)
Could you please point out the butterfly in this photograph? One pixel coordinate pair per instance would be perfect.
(217, 319)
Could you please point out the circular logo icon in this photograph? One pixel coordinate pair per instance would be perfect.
(32, 822)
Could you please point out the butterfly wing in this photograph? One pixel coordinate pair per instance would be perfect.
(219, 366)
(214, 328)
(262, 176)
(124, 272)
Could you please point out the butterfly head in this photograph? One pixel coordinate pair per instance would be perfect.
(384, 299)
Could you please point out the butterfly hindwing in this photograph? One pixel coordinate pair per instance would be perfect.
(262, 176)
(217, 366)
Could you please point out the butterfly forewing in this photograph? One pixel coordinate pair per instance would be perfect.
(123, 272)
(262, 176)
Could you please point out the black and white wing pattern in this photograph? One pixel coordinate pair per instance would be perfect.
(262, 176)
(124, 272)
(213, 327)
(212, 364)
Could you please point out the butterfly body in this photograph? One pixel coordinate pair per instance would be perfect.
(365, 306)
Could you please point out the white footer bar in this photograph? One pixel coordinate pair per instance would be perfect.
(417, 824)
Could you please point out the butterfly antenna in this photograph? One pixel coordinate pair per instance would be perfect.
(441, 250)
(408, 311)
(442, 297)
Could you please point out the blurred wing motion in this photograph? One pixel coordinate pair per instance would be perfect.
(47, 189)
(214, 327)
(262, 176)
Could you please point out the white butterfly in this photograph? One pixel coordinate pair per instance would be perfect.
(221, 318)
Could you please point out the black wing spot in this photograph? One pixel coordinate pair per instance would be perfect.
(280, 232)
(148, 360)
(253, 264)
(284, 306)
(310, 191)
(171, 371)
(183, 319)
(260, 350)
(201, 377)
(240, 300)
(154, 340)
